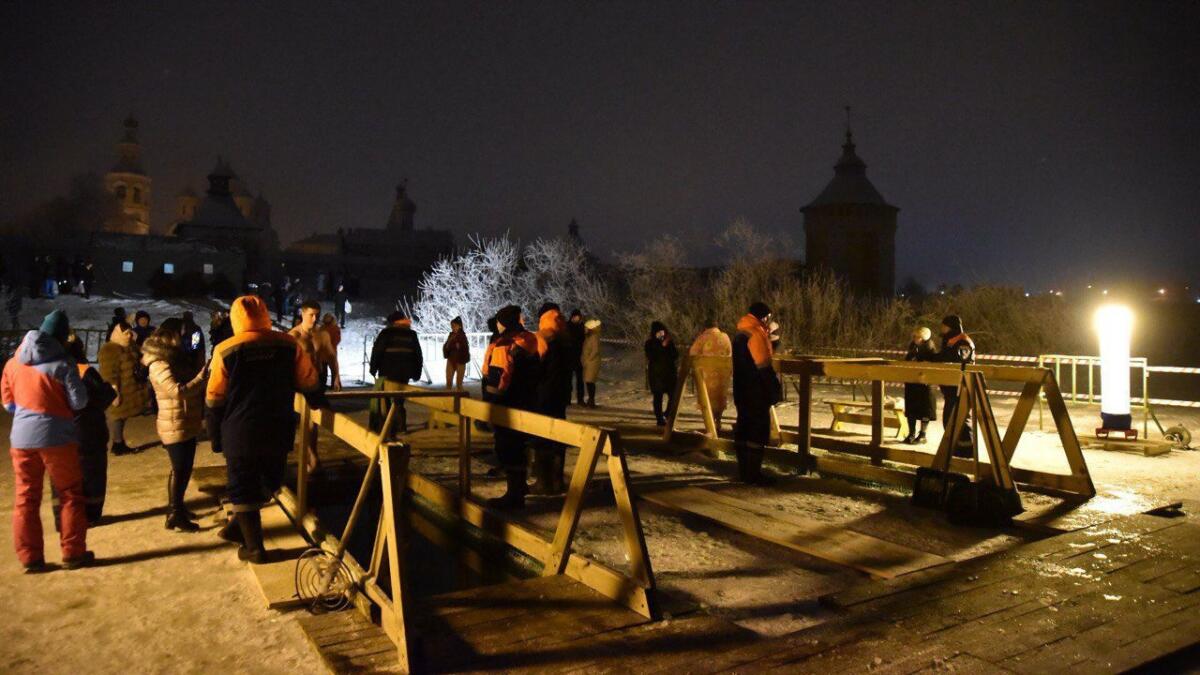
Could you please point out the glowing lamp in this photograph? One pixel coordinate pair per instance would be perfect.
(1114, 326)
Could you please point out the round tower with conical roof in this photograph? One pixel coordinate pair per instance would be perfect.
(850, 230)
(128, 182)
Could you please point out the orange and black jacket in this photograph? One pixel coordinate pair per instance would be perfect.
(254, 377)
(755, 384)
(558, 358)
(513, 369)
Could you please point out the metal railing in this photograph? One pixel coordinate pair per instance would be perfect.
(431, 355)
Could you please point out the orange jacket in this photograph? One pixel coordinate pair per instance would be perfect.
(550, 326)
(759, 340)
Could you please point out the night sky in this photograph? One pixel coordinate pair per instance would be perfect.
(1029, 143)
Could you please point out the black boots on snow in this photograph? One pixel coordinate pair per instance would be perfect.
(750, 471)
(548, 471)
(121, 449)
(178, 517)
(514, 497)
(252, 549)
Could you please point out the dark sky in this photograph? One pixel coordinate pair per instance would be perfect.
(1034, 143)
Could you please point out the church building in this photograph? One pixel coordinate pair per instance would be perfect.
(850, 229)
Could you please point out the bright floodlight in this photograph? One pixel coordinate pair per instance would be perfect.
(1114, 325)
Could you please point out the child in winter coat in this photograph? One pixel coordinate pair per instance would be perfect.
(457, 352)
(662, 358)
(180, 392)
(118, 360)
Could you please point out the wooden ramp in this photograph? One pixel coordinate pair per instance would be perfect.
(877, 557)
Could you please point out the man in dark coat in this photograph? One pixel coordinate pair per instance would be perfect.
(755, 390)
(396, 359)
(957, 347)
(93, 437)
(576, 330)
(558, 357)
(919, 403)
(662, 358)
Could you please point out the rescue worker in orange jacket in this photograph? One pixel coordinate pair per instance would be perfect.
(755, 391)
(558, 355)
(251, 388)
(512, 378)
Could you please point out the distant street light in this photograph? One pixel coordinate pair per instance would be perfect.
(1114, 326)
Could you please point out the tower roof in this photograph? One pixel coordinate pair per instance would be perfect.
(850, 184)
(129, 151)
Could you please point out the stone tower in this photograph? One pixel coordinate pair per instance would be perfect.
(128, 182)
(850, 230)
(403, 210)
(186, 203)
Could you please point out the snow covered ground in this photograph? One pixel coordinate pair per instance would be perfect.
(168, 602)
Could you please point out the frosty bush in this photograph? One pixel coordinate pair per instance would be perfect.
(496, 272)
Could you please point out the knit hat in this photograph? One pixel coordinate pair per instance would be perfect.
(56, 325)
(954, 323)
(546, 307)
(759, 310)
(509, 317)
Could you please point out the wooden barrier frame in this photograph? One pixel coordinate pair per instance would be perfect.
(634, 590)
(878, 371)
(1037, 383)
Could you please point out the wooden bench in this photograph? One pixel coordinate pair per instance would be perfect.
(859, 412)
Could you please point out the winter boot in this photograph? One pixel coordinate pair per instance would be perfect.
(754, 473)
(121, 449)
(514, 498)
(921, 440)
(80, 561)
(172, 507)
(252, 549)
(179, 521)
(591, 394)
(911, 437)
(557, 465)
(231, 531)
(543, 482)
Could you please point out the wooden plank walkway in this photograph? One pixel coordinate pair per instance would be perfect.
(1105, 599)
(878, 557)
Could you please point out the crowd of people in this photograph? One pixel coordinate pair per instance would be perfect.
(756, 387)
(68, 416)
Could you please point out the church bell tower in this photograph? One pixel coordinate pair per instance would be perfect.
(129, 184)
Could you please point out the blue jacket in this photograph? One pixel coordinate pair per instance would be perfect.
(41, 387)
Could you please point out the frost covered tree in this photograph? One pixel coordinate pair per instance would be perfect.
(492, 273)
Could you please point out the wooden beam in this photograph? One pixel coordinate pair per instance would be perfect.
(394, 469)
(568, 518)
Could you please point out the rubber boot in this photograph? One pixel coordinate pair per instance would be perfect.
(557, 466)
(172, 507)
(514, 497)
(754, 472)
(252, 549)
(231, 532)
(543, 482)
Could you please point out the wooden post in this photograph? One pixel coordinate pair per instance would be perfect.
(464, 455)
(568, 519)
(685, 367)
(631, 524)
(302, 455)
(710, 423)
(804, 416)
(395, 478)
(877, 417)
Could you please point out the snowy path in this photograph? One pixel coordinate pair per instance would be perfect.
(158, 601)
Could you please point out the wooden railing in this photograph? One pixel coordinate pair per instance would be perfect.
(634, 589)
(1034, 383)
